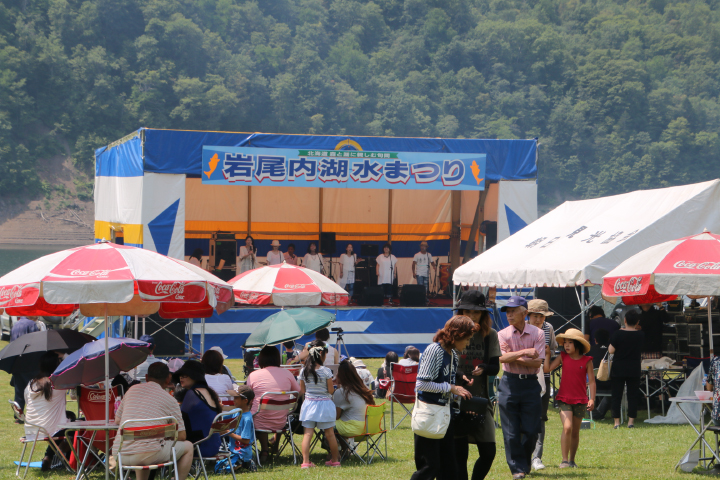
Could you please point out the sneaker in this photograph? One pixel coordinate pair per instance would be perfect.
(537, 464)
(573, 464)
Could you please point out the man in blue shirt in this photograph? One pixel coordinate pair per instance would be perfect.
(598, 321)
(20, 380)
(22, 326)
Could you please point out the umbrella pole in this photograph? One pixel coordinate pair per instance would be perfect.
(136, 325)
(107, 395)
(709, 302)
(202, 337)
(582, 308)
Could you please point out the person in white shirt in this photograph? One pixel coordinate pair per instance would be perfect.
(216, 379)
(314, 260)
(142, 369)
(386, 271)
(290, 257)
(248, 254)
(275, 256)
(363, 372)
(411, 357)
(348, 260)
(421, 266)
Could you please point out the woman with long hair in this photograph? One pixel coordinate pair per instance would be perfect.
(215, 376)
(481, 361)
(437, 380)
(313, 259)
(248, 253)
(199, 404)
(383, 374)
(350, 399)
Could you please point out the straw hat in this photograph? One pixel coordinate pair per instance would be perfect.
(539, 306)
(275, 243)
(574, 334)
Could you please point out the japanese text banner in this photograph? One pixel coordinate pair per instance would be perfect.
(343, 168)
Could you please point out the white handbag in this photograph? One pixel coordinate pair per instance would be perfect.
(429, 420)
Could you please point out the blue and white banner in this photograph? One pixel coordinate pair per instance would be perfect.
(343, 168)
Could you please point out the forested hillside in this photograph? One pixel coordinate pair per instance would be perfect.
(622, 95)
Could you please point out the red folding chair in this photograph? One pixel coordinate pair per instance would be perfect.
(402, 389)
(92, 404)
(274, 401)
(133, 430)
(223, 422)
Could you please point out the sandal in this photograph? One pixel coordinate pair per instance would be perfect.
(332, 464)
(308, 465)
(564, 464)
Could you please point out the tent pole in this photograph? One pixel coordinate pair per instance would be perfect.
(582, 308)
(202, 336)
(710, 332)
(136, 327)
(190, 334)
(107, 390)
(454, 299)
(477, 220)
(455, 201)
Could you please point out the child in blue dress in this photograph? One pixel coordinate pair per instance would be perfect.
(318, 409)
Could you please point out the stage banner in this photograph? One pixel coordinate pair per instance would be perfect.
(343, 168)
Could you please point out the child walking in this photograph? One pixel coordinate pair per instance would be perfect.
(577, 374)
(244, 436)
(318, 409)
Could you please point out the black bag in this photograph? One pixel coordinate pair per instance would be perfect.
(470, 416)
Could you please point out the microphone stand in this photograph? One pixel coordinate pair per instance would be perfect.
(392, 280)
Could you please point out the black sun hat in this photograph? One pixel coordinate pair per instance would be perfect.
(472, 300)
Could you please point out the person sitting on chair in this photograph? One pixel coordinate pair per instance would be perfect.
(411, 357)
(351, 399)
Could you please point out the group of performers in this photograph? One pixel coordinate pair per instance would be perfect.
(385, 267)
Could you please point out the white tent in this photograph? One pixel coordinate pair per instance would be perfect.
(579, 242)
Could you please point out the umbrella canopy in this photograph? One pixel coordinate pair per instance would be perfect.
(287, 285)
(23, 355)
(111, 279)
(86, 366)
(289, 325)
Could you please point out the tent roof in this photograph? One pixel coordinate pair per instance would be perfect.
(579, 242)
(180, 151)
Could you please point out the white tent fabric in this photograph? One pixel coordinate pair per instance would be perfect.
(692, 410)
(579, 242)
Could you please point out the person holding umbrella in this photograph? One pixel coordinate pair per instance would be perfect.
(23, 326)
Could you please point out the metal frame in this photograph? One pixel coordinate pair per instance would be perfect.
(223, 422)
(171, 421)
(371, 443)
(391, 394)
(285, 432)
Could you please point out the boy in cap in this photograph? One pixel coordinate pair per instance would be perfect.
(244, 436)
(537, 311)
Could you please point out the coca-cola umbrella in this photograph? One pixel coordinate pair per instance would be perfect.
(105, 279)
(23, 354)
(287, 285)
(686, 266)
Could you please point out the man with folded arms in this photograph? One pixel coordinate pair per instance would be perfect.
(523, 351)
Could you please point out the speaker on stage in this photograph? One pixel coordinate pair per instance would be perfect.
(489, 229)
(327, 243)
(169, 335)
(372, 297)
(369, 251)
(412, 296)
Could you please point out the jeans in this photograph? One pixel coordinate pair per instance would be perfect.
(423, 281)
(538, 453)
(350, 288)
(521, 414)
(435, 458)
(633, 395)
(387, 289)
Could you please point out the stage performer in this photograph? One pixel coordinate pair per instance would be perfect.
(314, 260)
(275, 256)
(421, 266)
(386, 270)
(248, 254)
(290, 256)
(348, 260)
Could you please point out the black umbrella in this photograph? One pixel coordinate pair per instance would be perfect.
(23, 355)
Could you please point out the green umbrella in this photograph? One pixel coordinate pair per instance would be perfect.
(287, 325)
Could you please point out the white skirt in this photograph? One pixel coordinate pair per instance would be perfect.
(318, 410)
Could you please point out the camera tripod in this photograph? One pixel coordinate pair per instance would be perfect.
(340, 342)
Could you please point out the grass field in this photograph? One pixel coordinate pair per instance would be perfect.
(648, 451)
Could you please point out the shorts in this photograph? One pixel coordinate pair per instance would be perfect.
(320, 425)
(158, 456)
(578, 409)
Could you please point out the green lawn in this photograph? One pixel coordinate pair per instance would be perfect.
(645, 452)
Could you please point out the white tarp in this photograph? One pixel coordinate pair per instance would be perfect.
(581, 241)
(692, 410)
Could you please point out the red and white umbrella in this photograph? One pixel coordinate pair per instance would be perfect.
(287, 285)
(687, 266)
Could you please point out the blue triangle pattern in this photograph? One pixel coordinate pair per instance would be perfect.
(161, 228)
(515, 223)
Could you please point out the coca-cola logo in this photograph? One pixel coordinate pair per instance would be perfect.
(295, 287)
(631, 285)
(175, 288)
(89, 273)
(697, 266)
(249, 295)
(9, 294)
(96, 397)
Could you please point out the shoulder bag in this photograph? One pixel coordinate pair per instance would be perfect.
(430, 420)
(604, 371)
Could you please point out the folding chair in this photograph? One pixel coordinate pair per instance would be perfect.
(223, 422)
(274, 401)
(374, 426)
(402, 389)
(92, 404)
(42, 435)
(133, 430)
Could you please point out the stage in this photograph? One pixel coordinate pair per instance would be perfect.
(368, 331)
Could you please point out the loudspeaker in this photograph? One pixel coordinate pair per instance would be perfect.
(369, 251)
(327, 243)
(489, 229)
(412, 296)
(169, 341)
(372, 297)
(223, 246)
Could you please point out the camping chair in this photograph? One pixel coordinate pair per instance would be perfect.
(42, 435)
(134, 430)
(223, 422)
(402, 389)
(373, 433)
(92, 403)
(285, 401)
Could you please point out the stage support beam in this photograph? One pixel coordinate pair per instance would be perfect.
(320, 219)
(390, 209)
(249, 210)
(455, 200)
(477, 220)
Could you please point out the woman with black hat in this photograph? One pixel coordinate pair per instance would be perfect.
(481, 360)
(199, 405)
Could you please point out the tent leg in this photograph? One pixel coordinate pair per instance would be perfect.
(202, 337)
(190, 334)
(582, 308)
(454, 300)
(107, 390)
(136, 327)
(710, 332)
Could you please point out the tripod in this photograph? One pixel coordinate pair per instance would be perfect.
(340, 342)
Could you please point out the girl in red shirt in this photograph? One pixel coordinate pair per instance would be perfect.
(577, 375)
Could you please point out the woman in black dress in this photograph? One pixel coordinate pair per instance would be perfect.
(626, 346)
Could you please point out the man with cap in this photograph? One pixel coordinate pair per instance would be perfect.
(421, 266)
(142, 369)
(479, 361)
(523, 351)
(537, 311)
